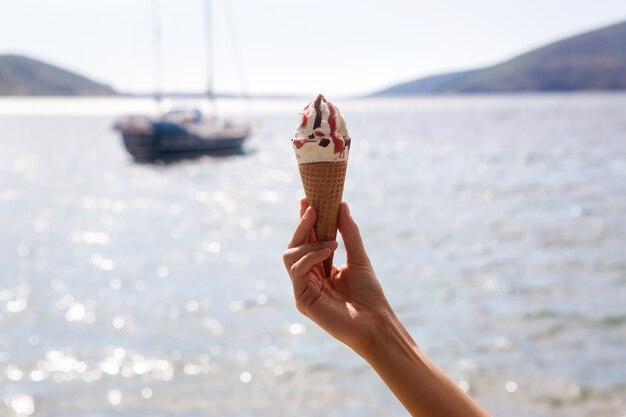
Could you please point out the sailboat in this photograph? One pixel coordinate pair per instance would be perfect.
(184, 131)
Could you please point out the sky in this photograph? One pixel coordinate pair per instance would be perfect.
(292, 47)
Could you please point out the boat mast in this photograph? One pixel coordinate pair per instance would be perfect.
(158, 60)
(210, 95)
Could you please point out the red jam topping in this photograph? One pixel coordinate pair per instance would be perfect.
(332, 123)
(305, 119)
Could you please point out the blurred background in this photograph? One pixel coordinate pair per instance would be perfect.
(487, 174)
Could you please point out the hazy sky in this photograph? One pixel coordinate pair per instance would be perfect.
(339, 47)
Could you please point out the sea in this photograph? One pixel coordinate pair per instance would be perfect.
(496, 225)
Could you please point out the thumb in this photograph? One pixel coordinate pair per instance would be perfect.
(351, 236)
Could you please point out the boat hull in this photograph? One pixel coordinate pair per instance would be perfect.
(181, 132)
(150, 146)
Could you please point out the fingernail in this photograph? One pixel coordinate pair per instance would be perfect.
(329, 244)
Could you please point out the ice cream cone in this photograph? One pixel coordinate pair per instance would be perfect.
(323, 185)
(322, 146)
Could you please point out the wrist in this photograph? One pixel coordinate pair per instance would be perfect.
(386, 337)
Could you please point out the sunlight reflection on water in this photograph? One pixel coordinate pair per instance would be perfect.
(144, 290)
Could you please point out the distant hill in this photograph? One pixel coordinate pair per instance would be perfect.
(22, 76)
(428, 85)
(592, 61)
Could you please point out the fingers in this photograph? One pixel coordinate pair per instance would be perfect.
(355, 251)
(303, 205)
(303, 231)
(307, 262)
(292, 255)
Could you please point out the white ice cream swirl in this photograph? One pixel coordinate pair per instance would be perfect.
(321, 134)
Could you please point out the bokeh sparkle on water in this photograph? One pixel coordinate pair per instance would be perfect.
(496, 225)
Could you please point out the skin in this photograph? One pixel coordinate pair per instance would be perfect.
(351, 306)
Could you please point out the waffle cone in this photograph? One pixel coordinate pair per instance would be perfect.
(323, 185)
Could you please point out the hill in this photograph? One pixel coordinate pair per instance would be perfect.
(23, 76)
(427, 85)
(594, 60)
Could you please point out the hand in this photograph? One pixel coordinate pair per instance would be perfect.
(350, 304)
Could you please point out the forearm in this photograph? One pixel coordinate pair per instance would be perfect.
(422, 387)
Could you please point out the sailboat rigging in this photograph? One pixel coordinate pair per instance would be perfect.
(182, 131)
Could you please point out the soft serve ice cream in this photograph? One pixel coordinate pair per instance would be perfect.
(321, 135)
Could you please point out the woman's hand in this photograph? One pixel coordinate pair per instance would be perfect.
(350, 305)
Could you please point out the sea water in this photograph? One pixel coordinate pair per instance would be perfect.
(496, 225)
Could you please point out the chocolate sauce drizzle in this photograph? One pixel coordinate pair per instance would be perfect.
(318, 111)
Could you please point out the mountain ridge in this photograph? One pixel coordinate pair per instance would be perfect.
(594, 60)
(25, 76)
